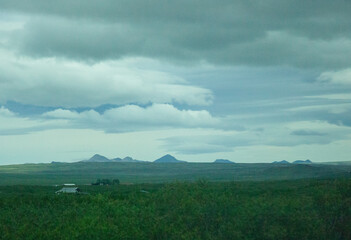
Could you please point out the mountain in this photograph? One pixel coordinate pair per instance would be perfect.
(223, 161)
(100, 158)
(126, 159)
(97, 158)
(281, 162)
(168, 159)
(302, 161)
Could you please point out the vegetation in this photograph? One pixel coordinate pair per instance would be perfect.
(106, 182)
(85, 173)
(299, 209)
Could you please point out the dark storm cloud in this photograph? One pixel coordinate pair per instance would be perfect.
(295, 33)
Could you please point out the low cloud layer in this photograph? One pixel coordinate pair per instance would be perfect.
(131, 118)
(281, 135)
(58, 83)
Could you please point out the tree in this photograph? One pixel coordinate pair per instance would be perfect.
(115, 181)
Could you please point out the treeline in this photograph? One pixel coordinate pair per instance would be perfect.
(106, 182)
(309, 209)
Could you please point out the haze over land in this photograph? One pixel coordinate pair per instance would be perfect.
(248, 81)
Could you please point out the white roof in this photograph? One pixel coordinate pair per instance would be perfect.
(67, 190)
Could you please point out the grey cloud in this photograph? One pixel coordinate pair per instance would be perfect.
(289, 33)
(340, 119)
(338, 113)
(307, 133)
(255, 96)
(27, 130)
(278, 135)
(195, 148)
(86, 41)
(319, 19)
(199, 144)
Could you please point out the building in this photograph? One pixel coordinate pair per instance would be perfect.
(69, 188)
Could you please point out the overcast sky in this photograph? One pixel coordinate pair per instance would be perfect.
(249, 81)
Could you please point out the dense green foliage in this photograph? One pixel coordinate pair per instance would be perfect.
(106, 182)
(86, 173)
(300, 209)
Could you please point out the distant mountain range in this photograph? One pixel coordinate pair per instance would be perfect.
(170, 159)
(223, 161)
(100, 158)
(281, 162)
(295, 162)
(302, 161)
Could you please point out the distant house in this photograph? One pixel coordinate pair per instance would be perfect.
(68, 190)
(69, 185)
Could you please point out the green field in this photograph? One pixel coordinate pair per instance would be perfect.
(299, 209)
(176, 201)
(85, 173)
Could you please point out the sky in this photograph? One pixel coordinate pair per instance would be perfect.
(250, 81)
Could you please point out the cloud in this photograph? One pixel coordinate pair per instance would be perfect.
(338, 113)
(128, 118)
(303, 132)
(300, 18)
(131, 118)
(52, 82)
(5, 113)
(12, 124)
(274, 135)
(99, 41)
(342, 77)
(220, 76)
(326, 109)
(226, 33)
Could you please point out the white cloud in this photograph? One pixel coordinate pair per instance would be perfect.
(337, 96)
(329, 108)
(12, 124)
(65, 83)
(4, 112)
(337, 77)
(135, 118)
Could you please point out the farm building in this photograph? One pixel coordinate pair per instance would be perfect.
(68, 190)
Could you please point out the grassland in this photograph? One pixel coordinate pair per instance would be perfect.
(85, 173)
